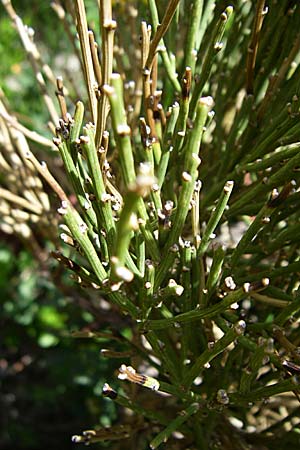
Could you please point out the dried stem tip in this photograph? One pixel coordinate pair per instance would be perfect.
(207, 101)
(129, 373)
(187, 82)
(228, 186)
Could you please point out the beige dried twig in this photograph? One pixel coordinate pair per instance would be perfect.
(26, 35)
(32, 135)
(96, 62)
(253, 47)
(161, 31)
(108, 26)
(82, 28)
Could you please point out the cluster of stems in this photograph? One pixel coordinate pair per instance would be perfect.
(179, 205)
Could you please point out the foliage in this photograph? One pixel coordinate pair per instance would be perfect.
(177, 179)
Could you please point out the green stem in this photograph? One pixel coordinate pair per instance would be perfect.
(215, 270)
(103, 199)
(174, 425)
(214, 48)
(215, 217)
(122, 135)
(127, 222)
(75, 180)
(196, 8)
(250, 373)
(188, 179)
(166, 146)
(197, 313)
(210, 353)
(265, 392)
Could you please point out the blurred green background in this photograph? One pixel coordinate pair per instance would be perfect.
(50, 383)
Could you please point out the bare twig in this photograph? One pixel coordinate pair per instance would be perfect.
(161, 31)
(61, 97)
(96, 62)
(26, 36)
(252, 49)
(108, 26)
(82, 28)
(32, 135)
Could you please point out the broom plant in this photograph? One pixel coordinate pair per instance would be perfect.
(176, 177)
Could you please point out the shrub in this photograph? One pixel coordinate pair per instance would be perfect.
(175, 164)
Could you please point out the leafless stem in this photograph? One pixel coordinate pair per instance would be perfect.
(34, 58)
(161, 31)
(96, 62)
(148, 97)
(43, 170)
(275, 81)
(32, 135)
(252, 49)
(108, 26)
(61, 97)
(82, 28)
(19, 201)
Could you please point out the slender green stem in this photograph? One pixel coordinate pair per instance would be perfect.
(122, 135)
(166, 356)
(197, 313)
(214, 350)
(180, 130)
(190, 51)
(258, 223)
(249, 375)
(188, 179)
(75, 180)
(121, 130)
(79, 231)
(144, 412)
(103, 199)
(282, 176)
(215, 217)
(76, 125)
(213, 49)
(276, 302)
(174, 425)
(167, 147)
(215, 270)
(290, 310)
(265, 392)
(272, 159)
(127, 222)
